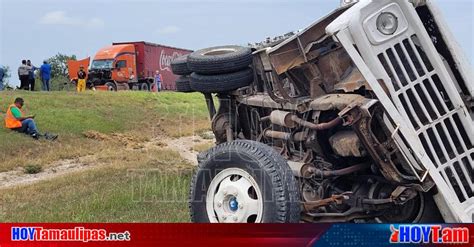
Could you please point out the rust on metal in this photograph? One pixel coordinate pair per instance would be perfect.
(335, 101)
(347, 144)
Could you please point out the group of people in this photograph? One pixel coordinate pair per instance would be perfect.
(26, 74)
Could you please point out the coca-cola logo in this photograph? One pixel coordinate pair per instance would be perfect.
(165, 59)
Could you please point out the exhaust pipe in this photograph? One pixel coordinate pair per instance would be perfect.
(297, 137)
(290, 120)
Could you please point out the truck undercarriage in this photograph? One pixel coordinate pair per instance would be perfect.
(366, 136)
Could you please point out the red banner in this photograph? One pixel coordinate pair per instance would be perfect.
(244, 235)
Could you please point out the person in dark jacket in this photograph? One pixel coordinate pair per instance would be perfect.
(45, 75)
(81, 79)
(31, 76)
(2, 74)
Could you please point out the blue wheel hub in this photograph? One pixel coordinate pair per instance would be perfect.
(233, 204)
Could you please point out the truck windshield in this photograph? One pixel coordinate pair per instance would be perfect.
(102, 64)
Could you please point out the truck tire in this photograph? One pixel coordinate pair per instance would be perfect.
(244, 182)
(221, 83)
(183, 85)
(179, 66)
(220, 60)
(111, 86)
(144, 86)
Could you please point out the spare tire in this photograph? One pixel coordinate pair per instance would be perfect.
(221, 83)
(183, 85)
(179, 66)
(220, 60)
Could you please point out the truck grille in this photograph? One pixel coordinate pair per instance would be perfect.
(424, 100)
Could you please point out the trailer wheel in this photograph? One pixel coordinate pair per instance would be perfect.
(221, 83)
(111, 86)
(244, 182)
(183, 84)
(179, 66)
(144, 87)
(220, 60)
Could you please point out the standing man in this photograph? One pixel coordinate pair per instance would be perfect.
(23, 75)
(45, 72)
(81, 79)
(31, 76)
(158, 81)
(2, 74)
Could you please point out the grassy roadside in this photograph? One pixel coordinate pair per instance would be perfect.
(143, 115)
(130, 185)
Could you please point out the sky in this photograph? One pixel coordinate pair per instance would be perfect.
(39, 29)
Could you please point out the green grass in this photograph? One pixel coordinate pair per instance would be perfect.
(129, 185)
(32, 169)
(71, 113)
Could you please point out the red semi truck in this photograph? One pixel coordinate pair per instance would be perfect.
(133, 65)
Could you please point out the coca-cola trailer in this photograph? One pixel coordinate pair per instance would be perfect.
(134, 66)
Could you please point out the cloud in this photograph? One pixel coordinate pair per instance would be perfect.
(61, 18)
(169, 30)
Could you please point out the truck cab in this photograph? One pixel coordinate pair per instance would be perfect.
(114, 65)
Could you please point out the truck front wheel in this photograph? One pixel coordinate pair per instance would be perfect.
(244, 182)
(144, 87)
(111, 86)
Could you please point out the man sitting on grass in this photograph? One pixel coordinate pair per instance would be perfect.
(15, 120)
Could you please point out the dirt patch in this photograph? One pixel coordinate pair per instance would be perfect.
(127, 140)
(184, 146)
(18, 176)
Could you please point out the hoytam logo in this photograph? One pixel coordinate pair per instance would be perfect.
(57, 235)
(435, 234)
(165, 59)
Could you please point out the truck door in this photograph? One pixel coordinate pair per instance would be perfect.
(121, 71)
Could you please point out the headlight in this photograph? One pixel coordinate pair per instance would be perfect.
(387, 23)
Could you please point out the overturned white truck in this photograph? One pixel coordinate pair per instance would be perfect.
(364, 116)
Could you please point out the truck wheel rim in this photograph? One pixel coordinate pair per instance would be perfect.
(234, 197)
